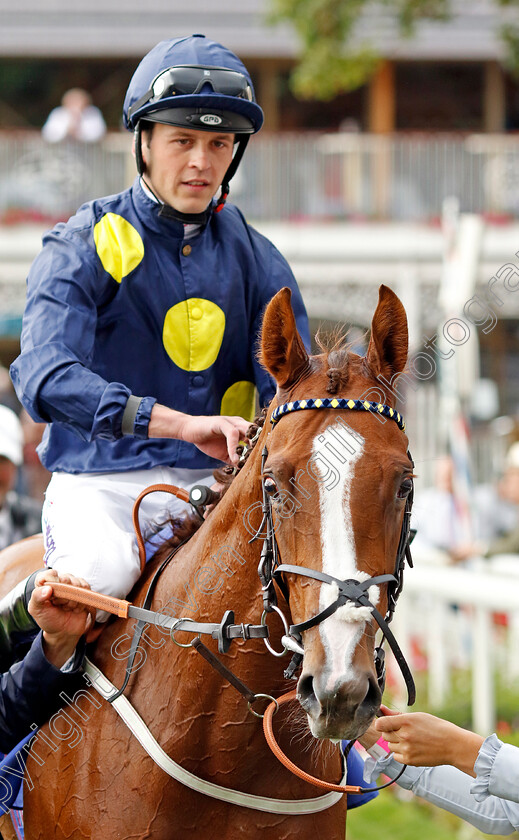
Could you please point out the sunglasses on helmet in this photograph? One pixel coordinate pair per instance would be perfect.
(190, 79)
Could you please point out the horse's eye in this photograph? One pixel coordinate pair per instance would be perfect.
(405, 488)
(270, 486)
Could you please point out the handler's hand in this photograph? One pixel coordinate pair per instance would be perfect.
(424, 740)
(63, 621)
(372, 735)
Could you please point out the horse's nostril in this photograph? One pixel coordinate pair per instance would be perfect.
(373, 695)
(305, 691)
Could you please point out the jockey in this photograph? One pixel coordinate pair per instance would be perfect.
(29, 690)
(143, 313)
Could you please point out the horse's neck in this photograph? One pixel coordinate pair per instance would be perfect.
(217, 569)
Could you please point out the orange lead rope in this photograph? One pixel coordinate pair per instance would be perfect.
(280, 755)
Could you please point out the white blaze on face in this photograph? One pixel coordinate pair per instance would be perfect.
(334, 455)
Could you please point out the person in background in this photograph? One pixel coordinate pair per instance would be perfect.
(503, 510)
(20, 516)
(508, 542)
(75, 119)
(436, 516)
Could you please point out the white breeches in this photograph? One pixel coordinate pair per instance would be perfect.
(87, 522)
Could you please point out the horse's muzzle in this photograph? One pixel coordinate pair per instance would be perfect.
(344, 711)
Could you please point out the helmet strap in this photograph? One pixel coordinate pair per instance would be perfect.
(168, 212)
(242, 145)
(137, 142)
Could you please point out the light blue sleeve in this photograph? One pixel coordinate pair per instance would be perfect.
(450, 789)
(497, 768)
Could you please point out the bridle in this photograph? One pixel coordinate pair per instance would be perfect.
(352, 591)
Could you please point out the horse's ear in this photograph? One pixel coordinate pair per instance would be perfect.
(388, 346)
(282, 350)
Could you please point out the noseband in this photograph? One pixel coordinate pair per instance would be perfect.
(350, 591)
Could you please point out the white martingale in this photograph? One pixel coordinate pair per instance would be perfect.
(137, 726)
(335, 463)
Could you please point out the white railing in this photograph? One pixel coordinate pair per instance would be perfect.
(465, 637)
(287, 176)
(39, 179)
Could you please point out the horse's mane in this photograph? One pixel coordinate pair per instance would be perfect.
(336, 348)
(185, 526)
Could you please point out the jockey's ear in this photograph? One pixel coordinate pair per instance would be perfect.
(388, 346)
(282, 350)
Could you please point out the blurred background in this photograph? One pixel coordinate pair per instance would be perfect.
(390, 154)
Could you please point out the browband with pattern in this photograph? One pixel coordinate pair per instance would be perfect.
(338, 402)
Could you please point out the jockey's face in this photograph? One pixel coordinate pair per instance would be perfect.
(184, 167)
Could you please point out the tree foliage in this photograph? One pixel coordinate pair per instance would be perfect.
(332, 58)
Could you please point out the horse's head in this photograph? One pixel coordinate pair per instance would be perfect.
(338, 480)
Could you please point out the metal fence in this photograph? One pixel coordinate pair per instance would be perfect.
(51, 181)
(287, 176)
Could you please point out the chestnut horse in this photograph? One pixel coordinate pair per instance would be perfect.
(337, 481)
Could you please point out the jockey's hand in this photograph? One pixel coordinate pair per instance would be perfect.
(217, 488)
(63, 621)
(215, 435)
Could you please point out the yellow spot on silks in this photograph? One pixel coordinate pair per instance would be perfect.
(119, 245)
(193, 333)
(239, 399)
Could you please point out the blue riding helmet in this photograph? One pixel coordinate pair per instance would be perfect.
(148, 93)
(193, 83)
